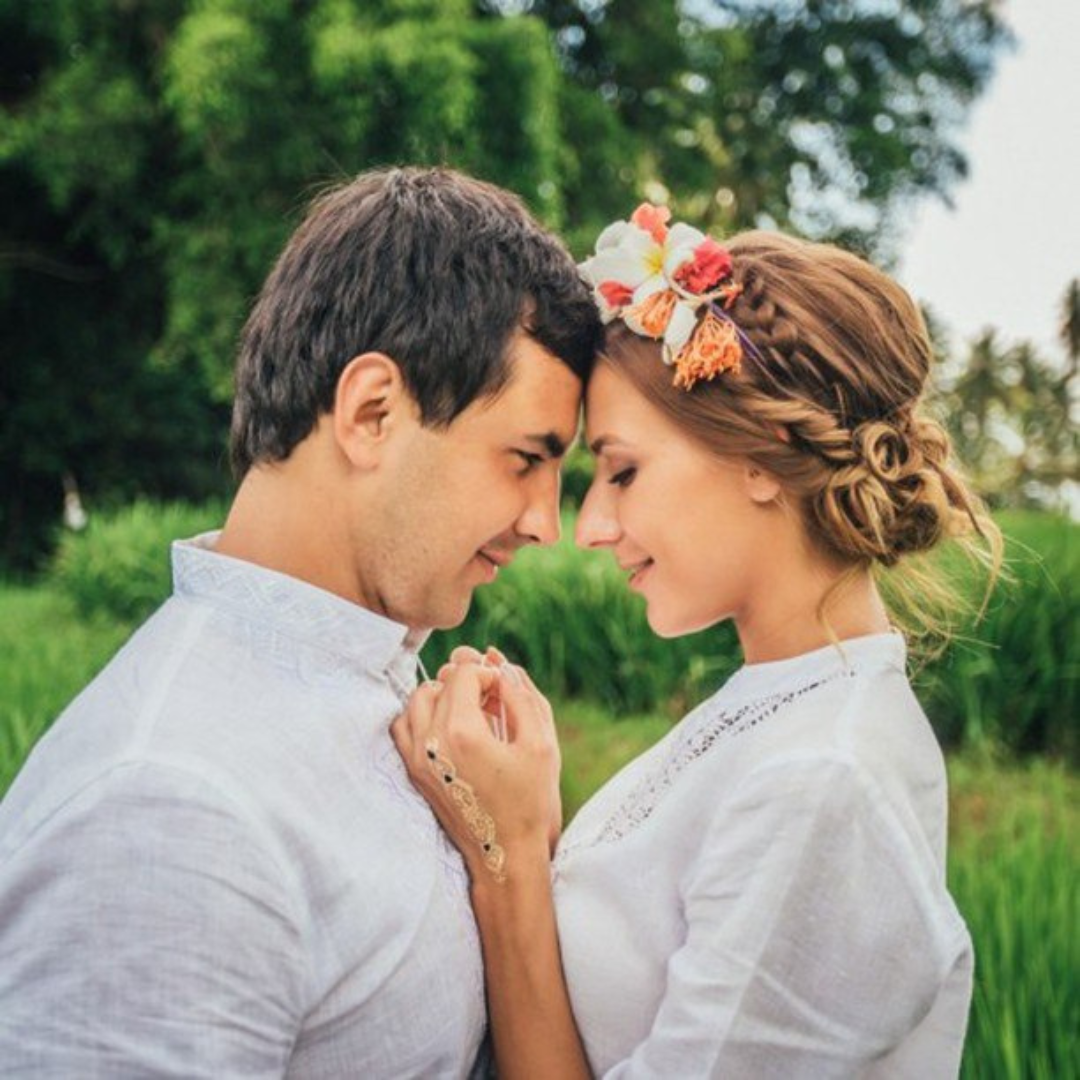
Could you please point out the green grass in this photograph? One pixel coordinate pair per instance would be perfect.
(47, 654)
(1014, 866)
(594, 747)
(119, 567)
(1013, 679)
(1013, 861)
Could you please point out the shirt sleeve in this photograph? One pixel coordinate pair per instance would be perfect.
(145, 931)
(811, 947)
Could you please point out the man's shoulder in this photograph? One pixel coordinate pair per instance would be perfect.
(124, 730)
(110, 799)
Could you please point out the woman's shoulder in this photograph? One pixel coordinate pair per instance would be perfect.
(848, 732)
(852, 699)
(847, 721)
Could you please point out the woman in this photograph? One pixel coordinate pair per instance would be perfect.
(762, 894)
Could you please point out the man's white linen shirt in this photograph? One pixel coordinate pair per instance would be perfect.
(213, 864)
(762, 894)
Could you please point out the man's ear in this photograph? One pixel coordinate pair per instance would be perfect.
(761, 485)
(370, 398)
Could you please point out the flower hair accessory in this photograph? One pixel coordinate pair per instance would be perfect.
(671, 284)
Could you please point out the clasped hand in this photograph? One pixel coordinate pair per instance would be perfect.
(479, 744)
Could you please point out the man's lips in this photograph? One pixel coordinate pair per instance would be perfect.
(493, 560)
(499, 558)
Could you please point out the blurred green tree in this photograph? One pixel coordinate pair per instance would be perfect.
(825, 115)
(1070, 325)
(1012, 415)
(153, 158)
(154, 154)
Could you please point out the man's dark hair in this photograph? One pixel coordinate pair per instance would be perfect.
(431, 267)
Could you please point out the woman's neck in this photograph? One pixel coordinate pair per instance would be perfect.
(818, 609)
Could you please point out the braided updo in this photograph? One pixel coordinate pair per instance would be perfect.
(828, 401)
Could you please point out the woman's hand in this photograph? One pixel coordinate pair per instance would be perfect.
(499, 789)
(497, 799)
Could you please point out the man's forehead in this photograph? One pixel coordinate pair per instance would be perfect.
(531, 360)
(547, 427)
(542, 399)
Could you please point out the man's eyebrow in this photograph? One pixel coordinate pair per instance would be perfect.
(553, 444)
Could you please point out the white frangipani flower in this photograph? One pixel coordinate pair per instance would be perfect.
(672, 286)
(630, 256)
(681, 325)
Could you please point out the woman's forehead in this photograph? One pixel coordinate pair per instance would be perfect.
(615, 410)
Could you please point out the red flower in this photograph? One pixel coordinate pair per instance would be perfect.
(710, 265)
(653, 219)
(615, 293)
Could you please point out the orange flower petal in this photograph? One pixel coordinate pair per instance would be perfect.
(654, 312)
(713, 348)
(653, 219)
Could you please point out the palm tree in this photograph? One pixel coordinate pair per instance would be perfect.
(977, 405)
(1070, 325)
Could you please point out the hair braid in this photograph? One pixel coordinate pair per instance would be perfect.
(785, 361)
(828, 401)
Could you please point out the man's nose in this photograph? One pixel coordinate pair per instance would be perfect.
(540, 522)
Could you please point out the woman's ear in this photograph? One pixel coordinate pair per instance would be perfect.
(369, 400)
(761, 485)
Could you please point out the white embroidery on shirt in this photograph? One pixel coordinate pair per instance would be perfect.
(260, 609)
(699, 735)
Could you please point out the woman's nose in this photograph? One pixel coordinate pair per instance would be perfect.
(597, 525)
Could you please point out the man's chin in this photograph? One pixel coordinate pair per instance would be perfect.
(451, 613)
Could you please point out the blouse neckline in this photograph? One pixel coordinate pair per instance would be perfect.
(850, 655)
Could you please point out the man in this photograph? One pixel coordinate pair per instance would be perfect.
(213, 865)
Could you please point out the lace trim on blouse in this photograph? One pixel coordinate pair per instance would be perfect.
(700, 734)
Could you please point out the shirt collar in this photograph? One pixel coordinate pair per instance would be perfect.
(848, 656)
(295, 608)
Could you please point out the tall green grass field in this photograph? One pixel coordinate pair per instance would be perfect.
(1003, 697)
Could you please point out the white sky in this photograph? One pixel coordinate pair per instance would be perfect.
(1003, 256)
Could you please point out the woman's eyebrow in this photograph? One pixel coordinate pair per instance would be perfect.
(601, 442)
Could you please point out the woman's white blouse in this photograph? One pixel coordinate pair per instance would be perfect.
(762, 894)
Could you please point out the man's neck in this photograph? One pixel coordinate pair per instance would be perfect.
(283, 522)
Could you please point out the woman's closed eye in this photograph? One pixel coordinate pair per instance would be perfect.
(624, 477)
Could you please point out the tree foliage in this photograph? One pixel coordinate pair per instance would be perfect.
(1012, 415)
(825, 115)
(153, 158)
(154, 154)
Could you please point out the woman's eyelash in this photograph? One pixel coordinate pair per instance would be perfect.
(623, 477)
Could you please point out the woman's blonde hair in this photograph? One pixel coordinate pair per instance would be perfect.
(829, 401)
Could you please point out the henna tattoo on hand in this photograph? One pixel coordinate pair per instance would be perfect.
(478, 821)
